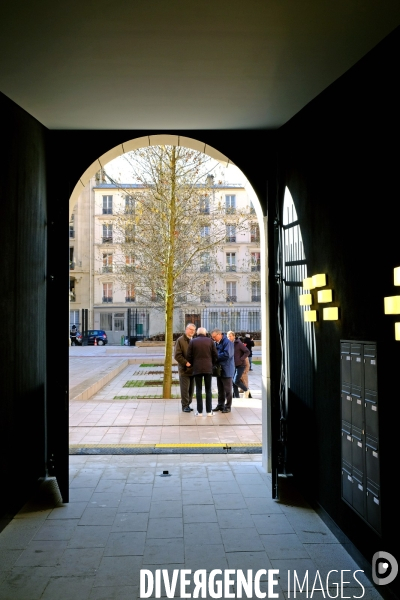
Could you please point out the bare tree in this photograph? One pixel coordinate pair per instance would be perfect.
(169, 230)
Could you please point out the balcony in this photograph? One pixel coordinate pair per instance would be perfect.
(71, 265)
(231, 268)
(204, 210)
(107, 239)
(72, 234)
(231, 298)
(107, 211)
(107, 298)
(255, 268)
(205, 298)
(255, 238)
(230, 238)
(107, 269)
(256, 298)
(129, 298)
(230, 210)
(205, 268)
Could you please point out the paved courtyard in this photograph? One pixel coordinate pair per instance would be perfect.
(117, 414)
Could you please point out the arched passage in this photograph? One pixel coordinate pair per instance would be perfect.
(166, 139)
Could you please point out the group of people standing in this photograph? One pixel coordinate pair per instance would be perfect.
(196, 358)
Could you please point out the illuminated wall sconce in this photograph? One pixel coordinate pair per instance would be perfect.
(331, 313)
(305, 299)
(396, 276)
(308, 283)
(392, 305)
(397, 331)
(319, 280)
(310, 316)
(325, 296)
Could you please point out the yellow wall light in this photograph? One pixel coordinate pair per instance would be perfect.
(331, 313)
(397, 331)
(392, 305)
(308, 283)
(396, 273)
(310, 316)
(325, 296)
(305, 299)
(319, 280)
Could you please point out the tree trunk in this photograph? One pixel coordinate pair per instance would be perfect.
(169, 284)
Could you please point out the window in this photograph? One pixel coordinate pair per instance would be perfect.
(225, 320)
(231, 261)
(72, 296)
(231, 291)
(130, 232)
(230, 233)
(213, 324)
(106, 321)
(204, 207)
(119, 321)
(205, 231)
(74, 318)
(205, 292)
(130, 205)
(107, 263)
(107, 292)
(72, 226)
(130, 293)
(252, 209)
(181, 298)
(205, 262)
(254, 233)
(230, 204)
(235, 321)
(255, 261)
(71, 258)
(129, 262)
(107, 205)
(254, 321)
(255, 291)
(107, 234)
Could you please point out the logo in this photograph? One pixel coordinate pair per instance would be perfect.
(384, 568)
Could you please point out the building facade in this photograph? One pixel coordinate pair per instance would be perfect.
(230, 294)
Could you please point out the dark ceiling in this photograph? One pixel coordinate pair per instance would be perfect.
(175, 64)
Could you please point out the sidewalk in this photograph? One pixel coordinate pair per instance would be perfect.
(108, 413)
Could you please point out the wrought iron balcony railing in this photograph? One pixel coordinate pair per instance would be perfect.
(231, 298)
(107, 239)
(256, 298)
(231, 268)
(107, 298)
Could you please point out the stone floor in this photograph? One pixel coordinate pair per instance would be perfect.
(212, 512)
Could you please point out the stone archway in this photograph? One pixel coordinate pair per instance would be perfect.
(176, 140)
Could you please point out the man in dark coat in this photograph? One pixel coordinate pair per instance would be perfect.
(226, 359)
(186, 378)
(202, 355)
(240, 355)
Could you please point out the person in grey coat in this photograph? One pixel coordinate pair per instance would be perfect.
(226, 358)
(202, 355)
(186, 377)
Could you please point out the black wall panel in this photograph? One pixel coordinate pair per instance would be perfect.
(336, 157)
(22, 304)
